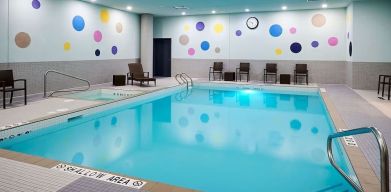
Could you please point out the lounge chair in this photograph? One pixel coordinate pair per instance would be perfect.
(244, 69)
(301, 71)
(7, 83)
(136, 73)
(216, 69)
(271, 70)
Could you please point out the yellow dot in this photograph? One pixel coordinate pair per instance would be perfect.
(104, 16)
(278, 51)
(219, 28)
(67, 46)
(186, 28)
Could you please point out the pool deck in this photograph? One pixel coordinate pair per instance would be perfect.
(348, 108)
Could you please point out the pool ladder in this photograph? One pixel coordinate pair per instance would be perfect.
(62, 90)
(183, 78)
(384, 166)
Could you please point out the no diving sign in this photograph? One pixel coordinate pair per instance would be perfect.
(102, 176)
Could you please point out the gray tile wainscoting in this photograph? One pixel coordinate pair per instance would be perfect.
(365, 75)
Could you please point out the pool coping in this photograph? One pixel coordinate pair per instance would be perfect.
(366, 176)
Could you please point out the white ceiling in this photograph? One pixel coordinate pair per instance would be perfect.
(200, 7)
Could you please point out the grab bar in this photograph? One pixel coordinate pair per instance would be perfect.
(383, 155)
(62, 90)
(187, 76)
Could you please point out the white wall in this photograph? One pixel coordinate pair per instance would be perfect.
(257, 44)
(3, 31)
(372, 26)
(50, 27)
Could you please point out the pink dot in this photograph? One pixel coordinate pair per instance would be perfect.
(97, 36)
(292, 30)
(191, 51)
(333, 41)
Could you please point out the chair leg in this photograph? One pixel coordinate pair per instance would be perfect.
(12, 95)
(306, 78)
(378, 85)
(248, 77)
(382, 93)
(209, 76)
(25, 96)
(132, 81)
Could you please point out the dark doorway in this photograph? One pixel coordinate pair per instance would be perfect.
(162, 57)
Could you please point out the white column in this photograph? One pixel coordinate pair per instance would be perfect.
(147, 43)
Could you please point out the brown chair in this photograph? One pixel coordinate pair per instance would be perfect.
(7, 83)
(136, 73)
(301, 71)
(244, 69)
(271, 70)
(216, 69)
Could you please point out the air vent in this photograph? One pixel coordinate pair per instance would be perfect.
(181, 7)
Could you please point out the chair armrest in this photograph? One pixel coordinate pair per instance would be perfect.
(20, 80)
(147, 74)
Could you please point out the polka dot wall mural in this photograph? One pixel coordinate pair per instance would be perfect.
(295, 47)
(238, 33)
(98, 36)
(218, 28)
(275, 30)
(350, 49)
(200, 26)
(67, 46)
(184, 39)
(293, 30)
(315, 44)
(186, 28)
(104, 16)
(78, 23)
(205, 45)
(22, 40)
(36, 4)
(217, 50)
(318, 20)
(278, 51)
(119, 27)
(97, 52)
(191, 51)
(114, 50)
(333, 41)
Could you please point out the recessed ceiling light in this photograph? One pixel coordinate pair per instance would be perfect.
(284, 7)
(213, 12)
(324, 5)
(247, 10)
(183, 13)
(129, 8)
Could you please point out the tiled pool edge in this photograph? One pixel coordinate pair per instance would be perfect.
(364, 173)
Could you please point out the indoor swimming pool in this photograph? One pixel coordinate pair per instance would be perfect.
(208, 139)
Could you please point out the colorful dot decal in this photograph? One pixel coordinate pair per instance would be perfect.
(238, 33)
(218, 28)
(275, 30)
(333, 41)
(104, 16)
(295, 124)
(67, 46)
(191, 51)
(314, 130)
(278, 51)
(217, 50)
(205, 45)
(119, 27)
(114, 121)
(97, 52)
(204, 118)
(98, 36)
(114, 50)
(296, 47)
(292, 30)
(78, 23)
(184, 39)
(315, 44)
(186, 28)
(318, 20)
(348, 35)
(350, 49)
(78, 158)
(22, 40)
(200, 26)
(36, 4)
(183, 122)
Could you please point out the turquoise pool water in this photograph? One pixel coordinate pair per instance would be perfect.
(209, 140)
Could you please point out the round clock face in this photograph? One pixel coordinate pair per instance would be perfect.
(252, 23)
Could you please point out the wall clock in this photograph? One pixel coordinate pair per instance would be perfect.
(252, 23)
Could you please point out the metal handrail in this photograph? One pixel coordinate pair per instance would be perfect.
(187, 76)
(185, 80)
(62, 90)
(180, 82)
(383, 155)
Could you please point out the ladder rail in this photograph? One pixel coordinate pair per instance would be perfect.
(187, 76)
(384, 166)
(177, 77)
(62, 90)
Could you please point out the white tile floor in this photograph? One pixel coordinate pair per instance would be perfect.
(372, 98)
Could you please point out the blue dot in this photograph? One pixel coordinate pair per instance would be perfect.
(296, 47)
(183, 122)
(114, 50)
(78, 23)
(314, 130)
(295, 124)
(315, 44)
(205, 45)
(97, 124)
(97, 52)
(199, 137)
(114, 121)
(238, 33)
(36, 4)
(78, 158)
(204, 118)
(275, 30)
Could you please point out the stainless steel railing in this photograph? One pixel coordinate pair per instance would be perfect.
(62, 90)
(384, 166)
(183, 78)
